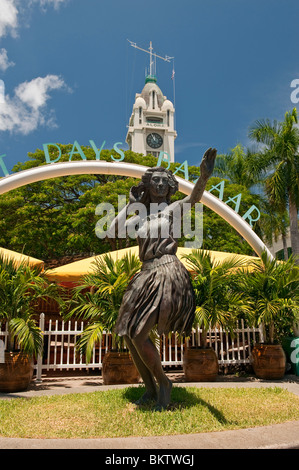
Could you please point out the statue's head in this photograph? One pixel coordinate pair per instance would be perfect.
(158, 181)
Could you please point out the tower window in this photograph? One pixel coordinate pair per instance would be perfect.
(140, 115)
(154, 119)
(168, 115)
(154, 100)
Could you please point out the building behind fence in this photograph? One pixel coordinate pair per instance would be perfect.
(59, 352)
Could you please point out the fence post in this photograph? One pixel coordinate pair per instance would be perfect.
(261, 331)
(40, 355)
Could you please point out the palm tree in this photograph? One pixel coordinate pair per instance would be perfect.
(273, 291)
(217, 302)
(20, 286)
(275, 224)
(234, 166)
(98, 298)
(278, 164)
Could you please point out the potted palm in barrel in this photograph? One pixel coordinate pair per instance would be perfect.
(20, 286)
(217, 304)
(273, 289)
(97, 301)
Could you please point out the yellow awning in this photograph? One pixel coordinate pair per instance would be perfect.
(72, 272)
(18, 258)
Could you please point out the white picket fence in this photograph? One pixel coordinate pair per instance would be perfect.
(60, 346)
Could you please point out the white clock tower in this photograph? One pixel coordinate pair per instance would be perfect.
(151, 126)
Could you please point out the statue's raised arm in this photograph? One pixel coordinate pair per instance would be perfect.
(206, 170)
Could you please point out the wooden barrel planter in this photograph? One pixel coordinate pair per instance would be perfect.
(268, 361)
(119, 368)
(200, 365)
(16, 372)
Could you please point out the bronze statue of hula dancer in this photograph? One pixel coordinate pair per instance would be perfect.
(161, 293)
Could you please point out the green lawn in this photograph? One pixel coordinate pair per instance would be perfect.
(113, 413)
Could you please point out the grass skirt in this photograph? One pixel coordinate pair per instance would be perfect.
(162, 288)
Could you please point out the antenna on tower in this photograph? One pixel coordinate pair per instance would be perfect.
(152, 63)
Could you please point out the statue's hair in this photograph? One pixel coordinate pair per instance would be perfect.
(144, 185)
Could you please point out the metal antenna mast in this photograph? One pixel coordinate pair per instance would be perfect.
(151, 53)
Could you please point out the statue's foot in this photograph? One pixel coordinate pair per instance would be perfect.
(164, 395)
(147, 397)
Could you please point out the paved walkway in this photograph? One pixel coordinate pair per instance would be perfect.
(279, 436)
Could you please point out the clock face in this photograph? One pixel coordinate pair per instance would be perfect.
(154, 140)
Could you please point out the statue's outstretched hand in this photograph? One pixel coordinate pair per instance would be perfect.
(208, 162)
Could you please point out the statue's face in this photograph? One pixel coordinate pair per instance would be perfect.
(159, 185)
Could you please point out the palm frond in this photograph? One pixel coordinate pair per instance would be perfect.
(98, 298)
(86, 341)
(20, 287)
(27, 333)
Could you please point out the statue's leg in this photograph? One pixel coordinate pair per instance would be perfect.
(151, 392)
(151, 358)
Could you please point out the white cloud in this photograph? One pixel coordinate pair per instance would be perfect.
(12, 10)
(27, 109)
(35, 93)
(8, 17)
(4, 62)
(55, 3)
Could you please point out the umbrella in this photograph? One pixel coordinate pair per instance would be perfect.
(18, 258)
(73, 272)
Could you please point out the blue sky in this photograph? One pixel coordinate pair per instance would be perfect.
(70, 73)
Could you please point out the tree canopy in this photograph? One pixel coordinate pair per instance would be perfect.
(55, 218)
(277, 163)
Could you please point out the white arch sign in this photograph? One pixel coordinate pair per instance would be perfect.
(55, 170)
